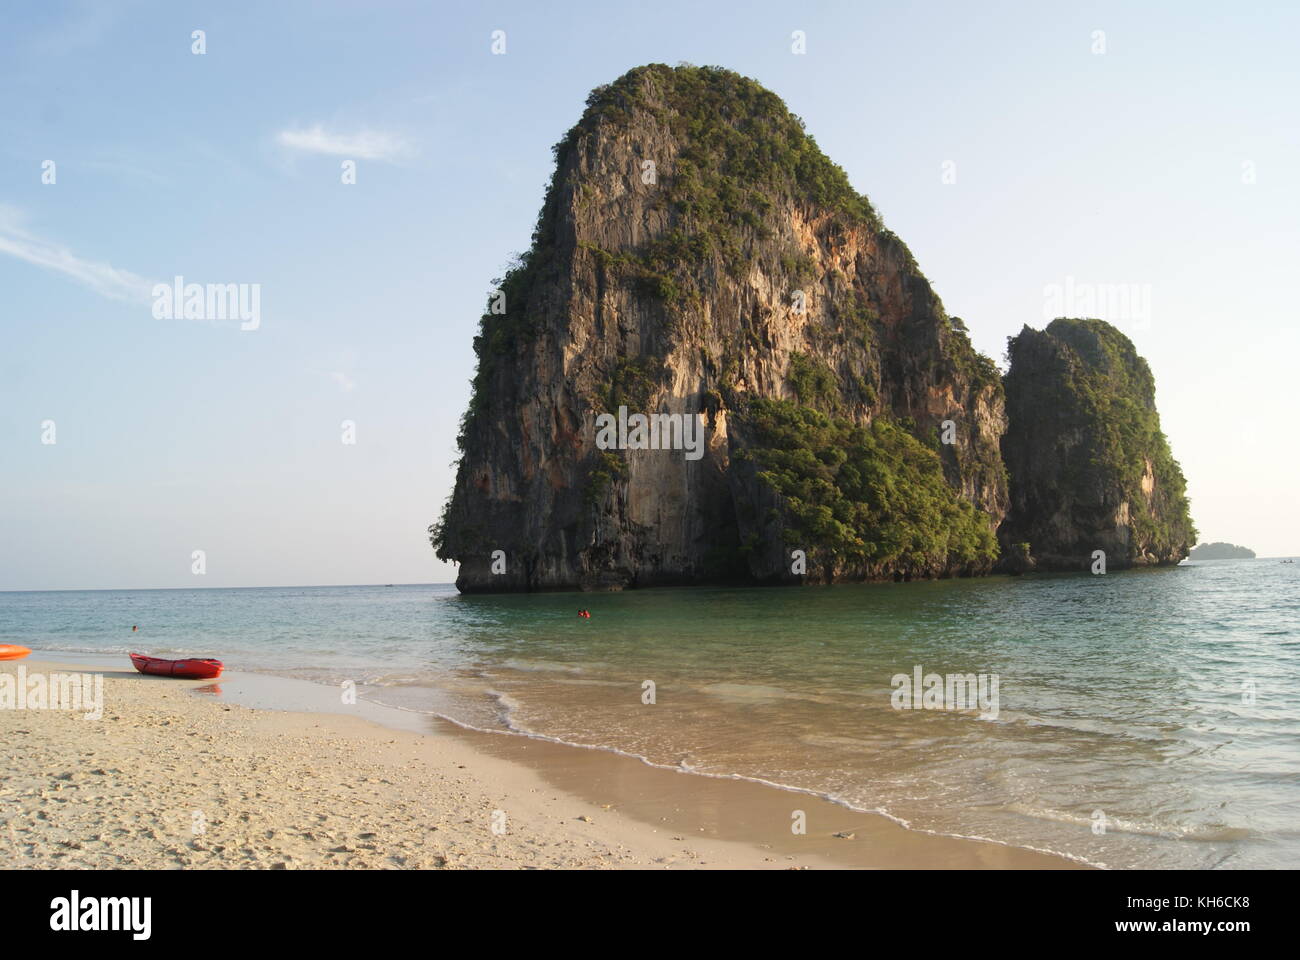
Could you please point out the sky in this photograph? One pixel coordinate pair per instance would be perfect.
(1141, 160)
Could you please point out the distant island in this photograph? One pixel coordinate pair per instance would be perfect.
(1220, 551)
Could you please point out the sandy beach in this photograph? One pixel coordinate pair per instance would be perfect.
(182, 774)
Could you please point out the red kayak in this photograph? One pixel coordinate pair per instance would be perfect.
(183, 669)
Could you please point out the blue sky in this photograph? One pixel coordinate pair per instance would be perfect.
(1170, 162)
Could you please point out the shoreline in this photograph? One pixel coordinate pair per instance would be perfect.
(281, 774)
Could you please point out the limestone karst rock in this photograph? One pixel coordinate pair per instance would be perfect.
(697, 256)
(1090, 469)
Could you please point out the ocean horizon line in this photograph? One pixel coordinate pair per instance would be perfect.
(281, 586)
(416, 583)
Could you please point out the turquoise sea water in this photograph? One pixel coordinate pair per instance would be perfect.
(1165, 701)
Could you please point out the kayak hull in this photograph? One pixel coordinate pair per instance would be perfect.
(192, 669)
(11, 651)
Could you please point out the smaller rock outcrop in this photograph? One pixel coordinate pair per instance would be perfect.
(1089, 467)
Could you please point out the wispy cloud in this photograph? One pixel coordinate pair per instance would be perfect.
(362, 145)
(120, 166)
(102, 277)
(345, 382)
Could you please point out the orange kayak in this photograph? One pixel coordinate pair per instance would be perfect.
(194, 669)
(11, 651)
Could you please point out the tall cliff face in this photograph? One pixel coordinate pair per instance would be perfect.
(1090, 469)
(697, 254)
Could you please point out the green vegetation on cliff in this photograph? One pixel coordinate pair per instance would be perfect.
(742, 148)
(979, 369)
(814, 383)
(609, 467)
(870, 496)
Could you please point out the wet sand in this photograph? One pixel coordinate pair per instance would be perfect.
(263, 772)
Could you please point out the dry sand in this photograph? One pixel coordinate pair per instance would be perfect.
(168, 778)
